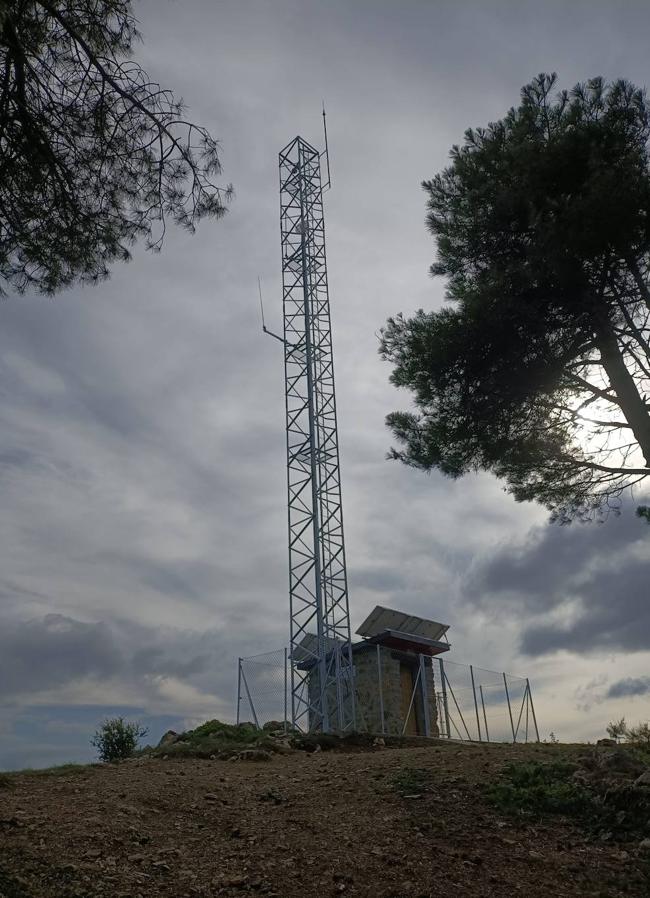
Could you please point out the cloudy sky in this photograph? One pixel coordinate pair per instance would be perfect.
(143, 525)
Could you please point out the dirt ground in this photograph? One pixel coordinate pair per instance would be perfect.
(321, 824)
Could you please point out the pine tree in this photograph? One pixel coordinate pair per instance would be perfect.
(93, 153)
(538, 370)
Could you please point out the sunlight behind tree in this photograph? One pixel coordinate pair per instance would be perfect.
(540, 370)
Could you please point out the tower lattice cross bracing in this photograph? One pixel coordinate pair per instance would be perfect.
(318, 589)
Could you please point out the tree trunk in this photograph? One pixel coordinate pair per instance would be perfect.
(623, 384)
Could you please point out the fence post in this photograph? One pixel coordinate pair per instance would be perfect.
(512, 724)
(250, 700)
(285, 691)
(532, 708)
(408, 713)
(425, 695)
(352, 687)
(524, 701)
(527, 713)
(478, 721)
(487, 732)
(460, 714)
(381, 690)
(340, 723)
(444, 696)
(238, 687)
(293, 693)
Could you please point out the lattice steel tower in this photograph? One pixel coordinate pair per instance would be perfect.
(321, 655)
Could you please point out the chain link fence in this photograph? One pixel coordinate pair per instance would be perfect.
(479, 705)
(263, 688)
(438, 697)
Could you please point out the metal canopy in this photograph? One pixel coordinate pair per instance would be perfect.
(380, 620)
(407, 642)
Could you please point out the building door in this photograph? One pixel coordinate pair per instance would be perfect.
(406, 684)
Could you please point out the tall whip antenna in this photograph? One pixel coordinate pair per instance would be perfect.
(264, 327)
(327, 151)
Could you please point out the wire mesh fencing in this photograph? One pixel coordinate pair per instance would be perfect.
(263, 688)
(479, 705)
(399, 694)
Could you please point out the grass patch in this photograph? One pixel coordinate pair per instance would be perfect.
(639, 751)
(225, 732)
(223, 739)
(609, 809)
(213, 738)
(533, 788)
(410, 781)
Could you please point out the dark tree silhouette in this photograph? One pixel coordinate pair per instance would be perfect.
(539, 371)
(93, 154)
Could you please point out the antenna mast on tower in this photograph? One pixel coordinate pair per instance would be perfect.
(322, 685)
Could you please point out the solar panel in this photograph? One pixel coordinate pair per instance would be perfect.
(308, 648)
(381, 619)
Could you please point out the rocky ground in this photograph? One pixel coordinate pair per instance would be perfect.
(388, 822)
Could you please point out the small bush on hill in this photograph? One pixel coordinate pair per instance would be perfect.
(599, 791)
(216, 729)
(214, 738)
(616, 729)
(638, 737)
(536, 788)
(117, 740)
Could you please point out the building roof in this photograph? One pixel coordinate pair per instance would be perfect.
(406, 642)
(388, 627)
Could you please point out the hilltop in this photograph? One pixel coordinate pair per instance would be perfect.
(406, 822)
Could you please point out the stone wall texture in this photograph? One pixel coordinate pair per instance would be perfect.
(368, 701)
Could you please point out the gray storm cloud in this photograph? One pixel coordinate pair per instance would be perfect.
(598, 571)
(630, 686)
(43, 654)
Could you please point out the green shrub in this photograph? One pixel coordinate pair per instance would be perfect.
(606, 806)
(535, 788)
(638, 736)
(617, 729)
(117, 740)
(239, 732)
(214, 737)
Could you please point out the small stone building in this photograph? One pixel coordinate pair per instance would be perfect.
(394, 675)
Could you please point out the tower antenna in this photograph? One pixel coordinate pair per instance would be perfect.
(322, 684)
(327, 151)
(264, 327)
(259, 288)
